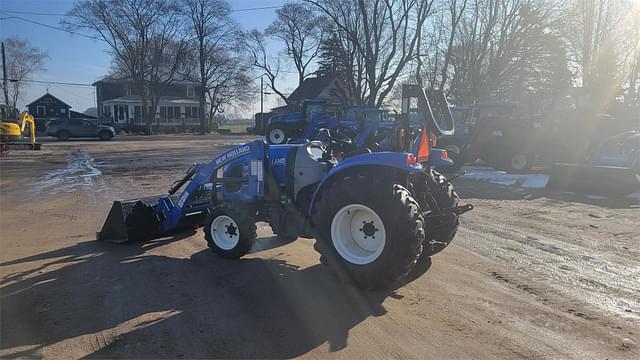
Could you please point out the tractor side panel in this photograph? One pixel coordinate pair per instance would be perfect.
(288, 118)
(278, 155)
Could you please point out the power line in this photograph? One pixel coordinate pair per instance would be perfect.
(51, 27)
(51, 82)
(31, 13)
(60, 14)
(257, 8)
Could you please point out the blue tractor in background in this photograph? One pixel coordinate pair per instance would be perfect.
(370, 128)
(372, 214)
(319, 114)
(314, 115)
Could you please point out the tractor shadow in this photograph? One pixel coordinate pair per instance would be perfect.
(128, 301)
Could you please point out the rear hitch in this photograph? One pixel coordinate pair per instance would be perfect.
(446, 212)
(459, 210)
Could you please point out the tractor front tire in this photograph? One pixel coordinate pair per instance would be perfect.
(276, 135)
(230, 232)
(372, 229)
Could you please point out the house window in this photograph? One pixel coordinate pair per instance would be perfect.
(187, 112)
(63, 111)
(195, 113)
(163, 114)
(137, 114)
(122, 113)
(190, 91)
(41, 111)
(127, 90)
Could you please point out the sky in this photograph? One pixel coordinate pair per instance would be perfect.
(77, 59)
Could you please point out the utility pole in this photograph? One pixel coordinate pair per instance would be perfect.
(261, 89)
(4, 77)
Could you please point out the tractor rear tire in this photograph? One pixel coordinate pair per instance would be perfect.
(276, 135)
(445, 195)
(230, 232)
(349, 215)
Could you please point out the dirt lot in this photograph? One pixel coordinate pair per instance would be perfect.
(531, 274)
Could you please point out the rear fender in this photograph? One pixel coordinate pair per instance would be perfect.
(388, 164)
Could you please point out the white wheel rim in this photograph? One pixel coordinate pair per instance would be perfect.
(276, 136)
(518, 162)
(225, 232)
(358, 234)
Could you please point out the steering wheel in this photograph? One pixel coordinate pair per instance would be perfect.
(333, 137)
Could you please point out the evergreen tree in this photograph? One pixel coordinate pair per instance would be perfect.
(333, 58)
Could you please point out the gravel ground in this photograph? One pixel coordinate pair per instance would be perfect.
(531, 274)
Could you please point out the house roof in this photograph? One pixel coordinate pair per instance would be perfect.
(48, 95)
(112, 79)
(311, 88)
(75, 114)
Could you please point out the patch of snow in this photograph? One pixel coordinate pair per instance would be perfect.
(529, 181)
(635, 195)
(535, 181)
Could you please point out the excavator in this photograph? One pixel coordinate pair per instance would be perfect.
(17, 130)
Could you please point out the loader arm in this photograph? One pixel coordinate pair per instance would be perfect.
(190, 197)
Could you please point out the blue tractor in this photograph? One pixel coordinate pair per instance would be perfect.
(314, 115)
(372, 214)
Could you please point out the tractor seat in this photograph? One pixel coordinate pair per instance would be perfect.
(355, 152)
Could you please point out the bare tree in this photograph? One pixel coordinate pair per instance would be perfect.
(501, 43)
(232, 85)
(23, 61)
(302, 31)
(599, 35)
(381, 36)
(215, 45)
(141, 35)
(269, 66)
(456, 11)
(630, 52)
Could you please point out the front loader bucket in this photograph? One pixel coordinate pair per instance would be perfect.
(131, 220)
(608, 180)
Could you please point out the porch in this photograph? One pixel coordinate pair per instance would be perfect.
(170, 112)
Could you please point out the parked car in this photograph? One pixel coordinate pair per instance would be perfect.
(64, 129)
(622, 150)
